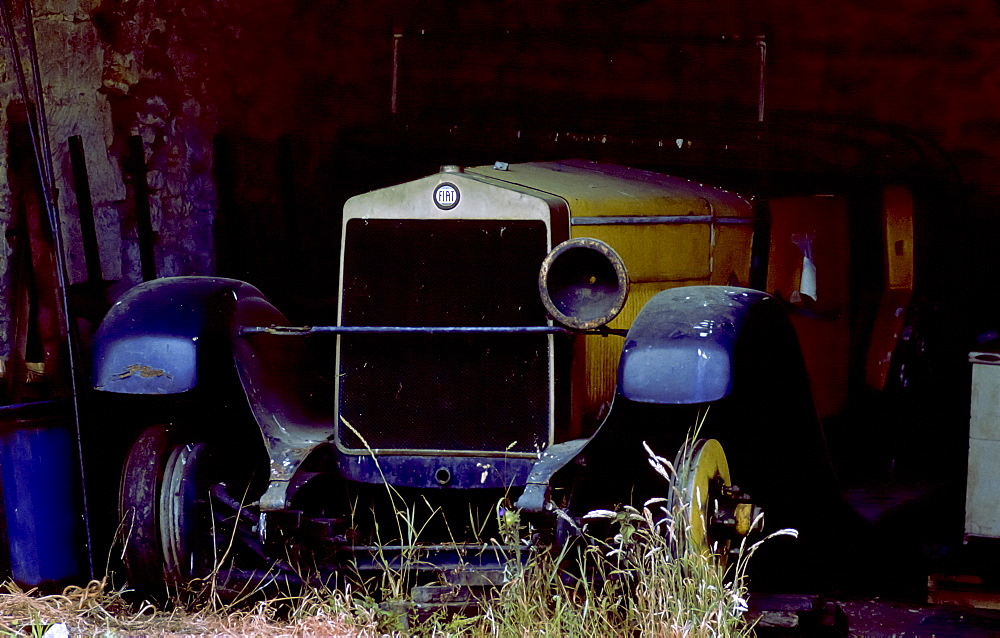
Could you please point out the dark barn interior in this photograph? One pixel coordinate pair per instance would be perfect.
(257, 120)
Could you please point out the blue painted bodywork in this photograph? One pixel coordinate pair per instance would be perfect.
(157, 336)
(172, 335)
(682, 346)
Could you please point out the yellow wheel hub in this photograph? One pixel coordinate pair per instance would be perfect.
(716, 511)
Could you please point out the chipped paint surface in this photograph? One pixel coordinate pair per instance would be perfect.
(145, 372)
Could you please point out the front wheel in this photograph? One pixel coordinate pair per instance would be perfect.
(719, 514)
(139, 509)
(185, 528)
(180, 524)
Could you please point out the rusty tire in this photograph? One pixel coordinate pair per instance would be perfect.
(139, 510)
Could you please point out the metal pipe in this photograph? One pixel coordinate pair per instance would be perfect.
(305, 330)
(219, 492)
(762, 47)
(36, 78)
(397, 39)
(22, 85)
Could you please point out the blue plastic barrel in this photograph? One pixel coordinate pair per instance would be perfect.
(42, 518)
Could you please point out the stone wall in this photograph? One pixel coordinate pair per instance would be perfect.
(71, 65)
(105, 84)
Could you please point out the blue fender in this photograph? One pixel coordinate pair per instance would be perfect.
(172, 335)
(683, 346)
(731, 357)
(730, 348)
(725, 362)
(160, 335)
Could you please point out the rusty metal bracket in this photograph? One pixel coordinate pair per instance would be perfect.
(536, 496)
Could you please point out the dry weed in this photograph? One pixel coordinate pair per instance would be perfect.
(95, 610)
(646, 579)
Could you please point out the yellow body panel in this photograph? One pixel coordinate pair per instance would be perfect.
(658, 257)
(657, 252)
(666, 230)
(598, 190)
(731, 255)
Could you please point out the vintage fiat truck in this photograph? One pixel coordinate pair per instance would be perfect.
(507, 339)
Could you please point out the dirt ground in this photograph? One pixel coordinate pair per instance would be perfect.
(790, 615)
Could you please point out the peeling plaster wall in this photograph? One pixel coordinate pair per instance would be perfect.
(71, 63)
(105, 89)
(176, 73)
(156, 90)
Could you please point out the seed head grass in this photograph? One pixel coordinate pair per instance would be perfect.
(647, 578)
(640, 575)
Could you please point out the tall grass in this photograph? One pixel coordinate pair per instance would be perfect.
(648, 576)
(647, 579)
(640, 575)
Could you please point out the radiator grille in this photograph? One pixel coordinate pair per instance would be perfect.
(479, 393)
